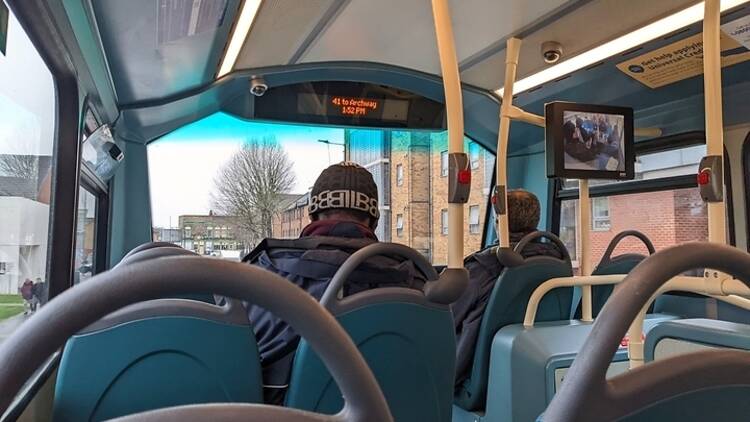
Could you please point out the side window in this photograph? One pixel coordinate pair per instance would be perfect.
(669, 216)
(399, 175)
(399, 225)
(27, 133)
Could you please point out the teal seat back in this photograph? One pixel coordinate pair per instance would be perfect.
(506, 306)
(622, 264)
(410, 347)
(128, 365)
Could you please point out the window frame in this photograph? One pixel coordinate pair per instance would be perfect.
(595, 219)
(47, 40)
(89, 181)
(444, 170)
(399, 174)
(444, 222)
(475, 228)
(665, 143)
(399, 227)
(474, 150)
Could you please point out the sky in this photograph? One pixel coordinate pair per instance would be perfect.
(183, 164)
(27, 97)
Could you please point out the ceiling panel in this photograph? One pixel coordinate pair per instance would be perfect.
(156, 48)
(592, 24)
(401, 32)
(280, 29)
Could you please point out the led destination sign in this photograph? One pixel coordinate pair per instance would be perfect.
(350, 106)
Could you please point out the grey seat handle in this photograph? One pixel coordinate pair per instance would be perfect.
(539, 234)
(607, 257)
(586, 395)
(152, 253)
(48, 329)
(149, 245)
(439, 288)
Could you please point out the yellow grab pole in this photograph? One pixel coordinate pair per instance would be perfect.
(712, 96)
(455, 117)
(584, 258)
(506, 111)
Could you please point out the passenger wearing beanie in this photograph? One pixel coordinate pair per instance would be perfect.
(344, 213)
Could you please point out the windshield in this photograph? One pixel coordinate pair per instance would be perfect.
(222, 184)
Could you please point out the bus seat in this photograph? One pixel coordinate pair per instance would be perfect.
(408, 344)
(608, 265)
(156, 354)
(690, 335)
(528, 365)
(507, 305)
(405, 335)
(154, 250)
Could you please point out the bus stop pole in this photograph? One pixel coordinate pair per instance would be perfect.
(506, 110)
(455, 118)
(712, 98)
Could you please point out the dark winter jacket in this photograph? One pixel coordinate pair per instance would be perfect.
(484, 269)
(311, 262)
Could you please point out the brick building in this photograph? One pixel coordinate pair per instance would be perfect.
(411, 171)
(211, 234)
(288, 223)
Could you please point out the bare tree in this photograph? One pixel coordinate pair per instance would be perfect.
(250, 185)
(17, 165)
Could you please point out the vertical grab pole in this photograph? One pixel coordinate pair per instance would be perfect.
(455, 117)
(712, 96)
(511, 62)
(714, 147)
(584, 228)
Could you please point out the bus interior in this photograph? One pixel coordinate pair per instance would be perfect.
(147, 147)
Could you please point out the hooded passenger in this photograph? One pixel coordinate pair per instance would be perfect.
(484, 269)
(344, 213)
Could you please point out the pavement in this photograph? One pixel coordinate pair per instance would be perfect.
(8, 326)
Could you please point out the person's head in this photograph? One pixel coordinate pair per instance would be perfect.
(523, 211)
(345, 192)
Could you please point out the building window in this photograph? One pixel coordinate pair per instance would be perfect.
(444, 163)
(474, 219)
(399, 175)
(474, 155)
(399, 225)
(3, 267)
(188, 232)
(600, 214)
(444, 221)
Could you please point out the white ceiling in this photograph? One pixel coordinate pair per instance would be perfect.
(401, 32)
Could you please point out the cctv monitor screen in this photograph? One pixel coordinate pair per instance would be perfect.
(589, 141)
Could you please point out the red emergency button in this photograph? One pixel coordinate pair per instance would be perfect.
(464, 177)
(704, 177)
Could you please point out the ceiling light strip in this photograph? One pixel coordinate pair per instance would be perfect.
(241, 29)
(626, 42)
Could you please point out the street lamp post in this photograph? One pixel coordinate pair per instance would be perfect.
(328, 144)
